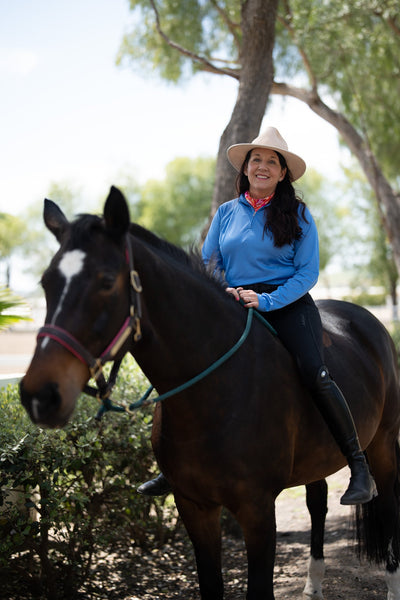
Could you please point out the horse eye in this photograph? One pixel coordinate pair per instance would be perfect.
(107, 281)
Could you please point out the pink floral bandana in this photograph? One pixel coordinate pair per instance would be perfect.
(258, 203)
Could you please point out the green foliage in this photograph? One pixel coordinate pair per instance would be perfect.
(81, 481)
(38, 237)
(11, 234)
(395, 333)
(367, 246)
(177, 208)
(317, 195)
(200, 27)
(351, 51)
(366, 299)
(8, 302)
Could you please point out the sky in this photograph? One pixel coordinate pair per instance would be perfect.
(69, 114)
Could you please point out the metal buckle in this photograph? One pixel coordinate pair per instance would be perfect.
(97, 369)
(135, 281)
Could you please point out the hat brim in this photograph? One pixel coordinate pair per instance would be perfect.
(238, 152)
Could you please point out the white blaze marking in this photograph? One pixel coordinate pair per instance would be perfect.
(393, 584)
(35, 408)
(70, 265)
(315, 576)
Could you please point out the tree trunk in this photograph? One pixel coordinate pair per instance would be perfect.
(388, 199)
(255, 82)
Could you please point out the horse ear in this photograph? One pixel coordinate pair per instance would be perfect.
(116, 212)
(54, 219)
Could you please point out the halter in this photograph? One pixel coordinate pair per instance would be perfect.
(131, 324)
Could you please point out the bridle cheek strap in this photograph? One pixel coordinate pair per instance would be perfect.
(95, 365)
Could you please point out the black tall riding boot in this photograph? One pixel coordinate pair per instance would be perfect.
(155, 487)
(337, 415)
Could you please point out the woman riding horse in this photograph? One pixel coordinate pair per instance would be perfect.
(266, 243)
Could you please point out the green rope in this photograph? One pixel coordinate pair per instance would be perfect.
(145, 400)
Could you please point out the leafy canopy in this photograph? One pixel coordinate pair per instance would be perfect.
(202, 27)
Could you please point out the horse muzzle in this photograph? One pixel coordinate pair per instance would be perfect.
(44, 406)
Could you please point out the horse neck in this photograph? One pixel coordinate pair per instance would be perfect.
(188, 323)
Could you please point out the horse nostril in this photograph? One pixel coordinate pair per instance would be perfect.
(43, 405)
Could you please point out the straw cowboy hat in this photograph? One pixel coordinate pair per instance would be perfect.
(271, 139)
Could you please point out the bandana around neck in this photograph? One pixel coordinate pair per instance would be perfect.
(258, 203)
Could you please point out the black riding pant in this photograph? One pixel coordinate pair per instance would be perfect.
(299, 327)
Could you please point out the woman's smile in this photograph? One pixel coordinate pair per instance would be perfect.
(264, 172)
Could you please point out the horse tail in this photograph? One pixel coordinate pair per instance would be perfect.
(377, 523)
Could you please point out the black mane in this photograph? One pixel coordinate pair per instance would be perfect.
(191, 261)
(85, 224)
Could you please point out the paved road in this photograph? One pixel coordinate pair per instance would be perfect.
(16, 350)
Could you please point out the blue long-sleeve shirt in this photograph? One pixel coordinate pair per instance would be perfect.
(241, 247)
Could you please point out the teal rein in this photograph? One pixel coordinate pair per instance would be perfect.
(107, 404)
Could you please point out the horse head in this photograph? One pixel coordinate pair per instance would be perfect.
(88, 301)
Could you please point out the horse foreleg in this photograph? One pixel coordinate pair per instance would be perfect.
(257, 520)
(317, 504)
(203, 524)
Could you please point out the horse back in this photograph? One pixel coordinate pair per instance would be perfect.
(361, 357)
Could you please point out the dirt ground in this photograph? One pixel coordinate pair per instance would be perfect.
(169, 573)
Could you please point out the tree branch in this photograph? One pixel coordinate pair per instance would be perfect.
(307, 65)
(232, 26)
(206, 64)
(385, 194)
(391, 21)
(393, 25)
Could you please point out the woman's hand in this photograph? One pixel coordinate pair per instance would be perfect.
(233, 292)
(249, 297)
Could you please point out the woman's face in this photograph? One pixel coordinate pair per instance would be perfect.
(264, 172)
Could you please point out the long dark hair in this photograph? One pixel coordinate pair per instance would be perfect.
(281, 214)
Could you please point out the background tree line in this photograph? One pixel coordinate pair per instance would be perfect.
(177, 208)
(341, 59)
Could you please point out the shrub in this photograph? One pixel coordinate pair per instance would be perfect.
(84, 477)
(367, 299)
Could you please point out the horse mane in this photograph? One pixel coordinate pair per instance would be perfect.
(189, 260)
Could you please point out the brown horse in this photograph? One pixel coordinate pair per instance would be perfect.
(245, 432)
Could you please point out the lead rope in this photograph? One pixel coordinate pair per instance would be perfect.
(108, 405)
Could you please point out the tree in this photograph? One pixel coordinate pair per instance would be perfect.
(225, 37)
(367, 108)
(37, 235)
(177, 208)
(236, 39)
(315, 190)
(371, 251)
(12, 231)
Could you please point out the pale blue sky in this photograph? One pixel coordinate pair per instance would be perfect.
(69, 114)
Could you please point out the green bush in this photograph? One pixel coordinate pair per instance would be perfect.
(82, 482)
(395, 333)
(367, 299)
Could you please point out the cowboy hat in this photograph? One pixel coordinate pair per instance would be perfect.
(271, 139)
